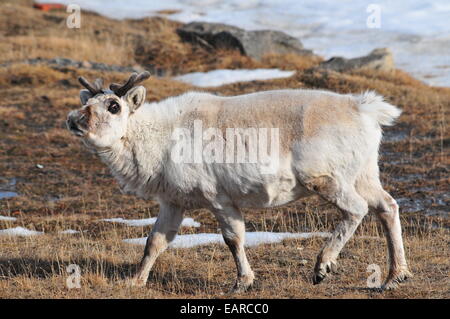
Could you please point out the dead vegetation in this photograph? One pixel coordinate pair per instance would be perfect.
(74, 190)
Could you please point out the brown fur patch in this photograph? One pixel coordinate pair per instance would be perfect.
(296, 114)
(322, 185)
(87, 113)
(328, 110)
(232, 242)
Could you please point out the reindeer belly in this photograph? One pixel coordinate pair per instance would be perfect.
(276, 193)
(242, 185)
(266, 190)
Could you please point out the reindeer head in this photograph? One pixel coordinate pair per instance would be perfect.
(103, 118)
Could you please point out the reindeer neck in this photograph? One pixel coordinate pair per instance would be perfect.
(136, 161)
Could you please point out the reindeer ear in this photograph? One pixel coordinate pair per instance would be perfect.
(135, 98)
(85, 95)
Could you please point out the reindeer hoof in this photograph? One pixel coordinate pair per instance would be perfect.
(322, 270)
(394, 280)
(318, 278)
(136, 282)
(242, 284)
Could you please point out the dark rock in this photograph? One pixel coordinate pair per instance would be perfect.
(378, 59)
(53, 18)
(21, 80)
(62, 64)
(252, 43)
(86, 64)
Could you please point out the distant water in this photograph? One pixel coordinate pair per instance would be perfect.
(7, 187)
(7, 194)
(417, 31)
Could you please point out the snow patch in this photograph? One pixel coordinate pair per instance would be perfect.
(7, 218)
(187, 222)
(19, 231)
(221, 77)
(69, 232)
(251, 239)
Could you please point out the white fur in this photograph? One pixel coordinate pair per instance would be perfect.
(375, 106)
(330, 148)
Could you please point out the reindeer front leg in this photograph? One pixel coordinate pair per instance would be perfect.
(233, 230)
(164, 231)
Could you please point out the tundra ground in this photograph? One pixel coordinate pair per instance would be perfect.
(70, 188)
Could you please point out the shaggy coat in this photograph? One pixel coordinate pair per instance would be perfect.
(327, 144)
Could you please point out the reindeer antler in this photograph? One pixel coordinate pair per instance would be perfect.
(121, 90)
(94, 89)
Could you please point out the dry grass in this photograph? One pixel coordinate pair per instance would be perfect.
(36, 267)
(148, 42)
(74, 190)
(75, 47)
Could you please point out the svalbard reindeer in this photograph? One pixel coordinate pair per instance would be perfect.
(328, 145)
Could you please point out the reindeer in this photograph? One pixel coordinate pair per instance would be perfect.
(328, 145)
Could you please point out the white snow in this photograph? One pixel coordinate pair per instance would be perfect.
(187, 222)
(132, 222)
(184, 241)
(221, 77)
(251, 239)
(19, 231)
(417, 31)
(7, 218)
(69, 232)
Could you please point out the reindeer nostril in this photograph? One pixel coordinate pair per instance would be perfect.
(72, 125)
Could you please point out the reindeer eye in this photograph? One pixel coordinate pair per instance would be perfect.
(113, 107)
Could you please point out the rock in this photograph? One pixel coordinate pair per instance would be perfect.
(61, 63)
(252, 43)
(86, 64)
(378, 59)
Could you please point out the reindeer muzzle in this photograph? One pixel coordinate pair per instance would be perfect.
(76, 123)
